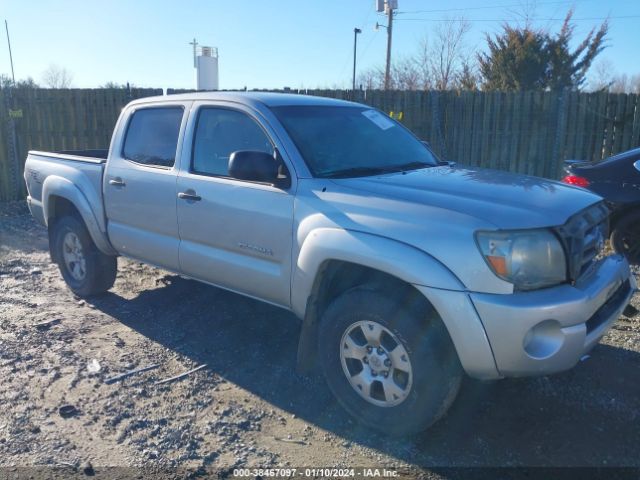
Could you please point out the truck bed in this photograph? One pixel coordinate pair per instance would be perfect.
(77, 173)
(92, 155)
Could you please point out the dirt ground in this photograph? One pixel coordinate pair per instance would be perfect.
(247, 407)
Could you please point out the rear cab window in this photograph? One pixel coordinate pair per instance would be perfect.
(152, 136)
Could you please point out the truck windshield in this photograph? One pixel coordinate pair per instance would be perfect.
(352, 141)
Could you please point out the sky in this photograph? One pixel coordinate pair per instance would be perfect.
(266, 44)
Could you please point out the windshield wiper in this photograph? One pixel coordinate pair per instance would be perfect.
(409, 166)
(354, 172)
(368, 171)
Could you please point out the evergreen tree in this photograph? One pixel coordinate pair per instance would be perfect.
(527, 59)
(517, 60)
(568, 69)
(467, 79)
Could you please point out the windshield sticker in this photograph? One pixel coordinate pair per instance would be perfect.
(380, 120)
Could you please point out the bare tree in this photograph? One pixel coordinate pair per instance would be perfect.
(524, 12)
(442, 63)
(624, 83)
(57, 77)
(634, 84)
(605, 78)
(372, 78)
(423, 64)
(447, 52)
(406, 75)
(113, 85)
(620, 84)
(602, 75)
(6, 82)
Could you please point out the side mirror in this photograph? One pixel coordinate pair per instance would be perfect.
(253, 166)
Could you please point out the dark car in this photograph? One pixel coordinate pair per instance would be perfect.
(617, 179)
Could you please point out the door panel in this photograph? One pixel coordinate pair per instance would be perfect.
(238, 234)
(142, 214)
(140, 185)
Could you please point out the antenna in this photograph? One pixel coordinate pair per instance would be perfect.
(195, 45)
(13, 76)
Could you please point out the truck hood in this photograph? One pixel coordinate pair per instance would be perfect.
(506, 200)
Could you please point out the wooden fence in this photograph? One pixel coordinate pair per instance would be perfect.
(55, 119)
(524, 132)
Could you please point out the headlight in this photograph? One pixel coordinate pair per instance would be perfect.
(529, 259)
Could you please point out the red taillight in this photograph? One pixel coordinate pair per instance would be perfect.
(576, 180)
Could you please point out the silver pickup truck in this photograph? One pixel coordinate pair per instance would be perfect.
(406, 271)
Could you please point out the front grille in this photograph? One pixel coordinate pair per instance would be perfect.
(583, 238)
(605, 311)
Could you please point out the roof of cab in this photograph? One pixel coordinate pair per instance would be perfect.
(270, 99)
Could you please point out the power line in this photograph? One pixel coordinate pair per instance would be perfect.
(366, 20)
(366, 49)
(621, 17)
(484, 7)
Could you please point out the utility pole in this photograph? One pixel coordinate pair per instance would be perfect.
(12, 144)
(356, 31)
(13, 76)
(389, 5)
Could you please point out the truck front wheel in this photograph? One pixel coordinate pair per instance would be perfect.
(389, 362)
(85, 269)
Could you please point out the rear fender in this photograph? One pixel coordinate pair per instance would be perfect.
(61, 187)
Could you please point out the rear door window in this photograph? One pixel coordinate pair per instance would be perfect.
(152, 136)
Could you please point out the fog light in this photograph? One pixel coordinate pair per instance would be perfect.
(544, 340)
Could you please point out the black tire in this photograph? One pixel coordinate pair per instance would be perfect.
(625, 237)
(436, 369)
(100, 269)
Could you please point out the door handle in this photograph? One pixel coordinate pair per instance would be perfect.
(117, 182)
(189, 195)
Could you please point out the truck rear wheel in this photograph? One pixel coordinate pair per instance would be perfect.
(85, 269)
(389, 362)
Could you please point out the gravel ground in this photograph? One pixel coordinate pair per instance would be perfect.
(247, 407)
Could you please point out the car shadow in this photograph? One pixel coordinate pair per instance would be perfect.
(589, 416)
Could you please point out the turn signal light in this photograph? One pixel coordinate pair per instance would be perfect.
(576, 180)
(499, 264)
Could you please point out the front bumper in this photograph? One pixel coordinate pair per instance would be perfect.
(547, 331)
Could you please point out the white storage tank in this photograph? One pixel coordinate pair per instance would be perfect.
(207, 68)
